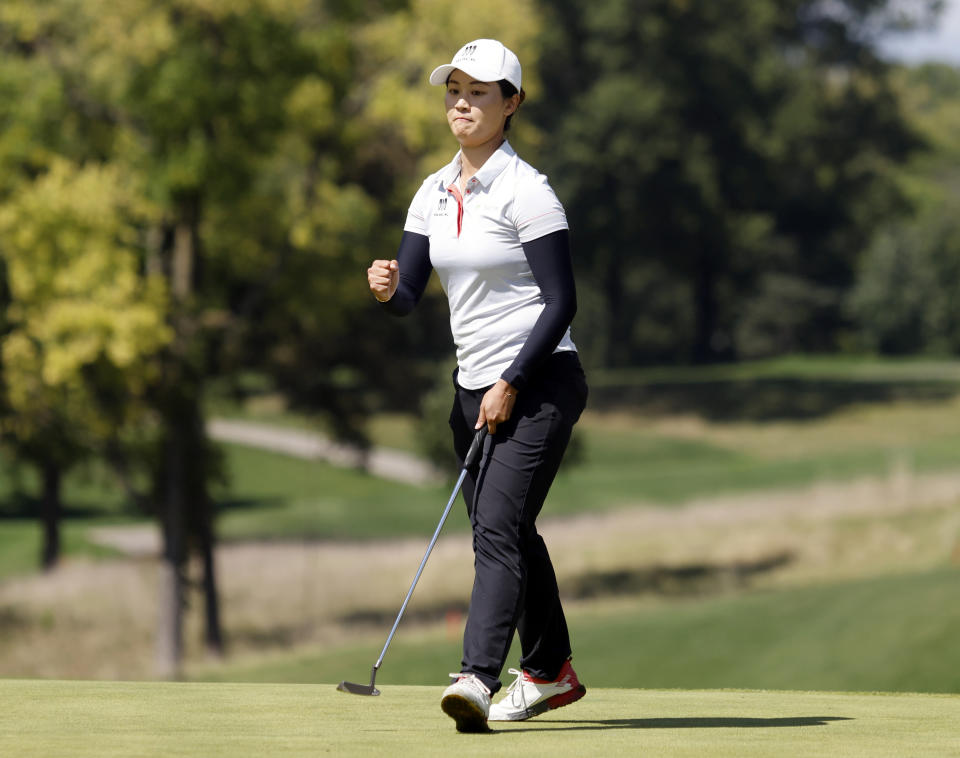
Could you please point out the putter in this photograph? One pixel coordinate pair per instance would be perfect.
(369, 689)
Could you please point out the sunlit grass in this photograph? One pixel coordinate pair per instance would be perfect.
(107, 719)
(621, 457)
(882, 633)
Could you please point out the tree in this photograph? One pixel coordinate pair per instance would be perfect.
(904, 299)
(242, 128)
(83, 326)
(188, 98)
(363, 131)
(722, 165)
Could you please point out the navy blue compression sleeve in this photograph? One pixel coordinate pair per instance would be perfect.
(413, 258)
(549, 260)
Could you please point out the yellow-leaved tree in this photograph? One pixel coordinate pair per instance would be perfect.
(402, 48)
(83, 323)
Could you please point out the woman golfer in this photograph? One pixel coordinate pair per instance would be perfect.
(492, 228)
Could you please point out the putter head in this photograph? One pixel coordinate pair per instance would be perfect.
(361, 689)
(358, 689)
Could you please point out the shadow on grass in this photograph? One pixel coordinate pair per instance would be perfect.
(762, 399)
(693, 722)
(698, 579)
(21, 507)
(689, 579)
(381, 619)
(266, 502)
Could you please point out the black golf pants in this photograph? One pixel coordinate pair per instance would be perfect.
(515, 588)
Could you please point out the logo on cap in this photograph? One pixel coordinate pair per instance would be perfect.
(467, 52)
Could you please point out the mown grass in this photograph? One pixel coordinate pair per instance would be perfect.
(884, 633)
(624, 461)
(848, 368)
(89, 491)
(105, 719)
(276, 496)
(889, 633)
(21, 544)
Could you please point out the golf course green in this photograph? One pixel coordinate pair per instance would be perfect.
(80, 719)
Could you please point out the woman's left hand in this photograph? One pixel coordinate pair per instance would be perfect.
(497, 405)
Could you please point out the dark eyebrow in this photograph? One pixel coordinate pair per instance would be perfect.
(451, 80)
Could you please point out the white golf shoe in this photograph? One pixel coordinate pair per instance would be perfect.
(528, 697)
(467, 701)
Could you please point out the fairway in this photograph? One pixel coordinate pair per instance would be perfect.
(48, 719)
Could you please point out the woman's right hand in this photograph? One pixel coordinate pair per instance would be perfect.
(383, 277)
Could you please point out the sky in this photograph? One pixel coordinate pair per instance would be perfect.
(941, 44)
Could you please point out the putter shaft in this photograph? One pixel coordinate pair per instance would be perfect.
(423, 563)
(361, 689)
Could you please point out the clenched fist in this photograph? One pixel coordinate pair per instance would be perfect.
(383, 277)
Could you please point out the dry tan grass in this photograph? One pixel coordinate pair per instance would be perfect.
(97, 620)
(83, 620)
(893, 425)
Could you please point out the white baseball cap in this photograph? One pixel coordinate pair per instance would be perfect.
(485, 59)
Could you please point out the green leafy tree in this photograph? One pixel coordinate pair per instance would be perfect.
(250, 133)
(904, 300)
(362, 130)
(723, 165)
(192, 98)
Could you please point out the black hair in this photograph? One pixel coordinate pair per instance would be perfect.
(508, 91)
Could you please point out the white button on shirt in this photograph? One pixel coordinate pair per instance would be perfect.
(476, 249)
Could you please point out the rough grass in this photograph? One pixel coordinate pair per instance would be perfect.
(104, 719)
(893, 633)
(657, 563)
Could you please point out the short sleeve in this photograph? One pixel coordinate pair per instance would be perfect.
(417, 212)
(537, 210)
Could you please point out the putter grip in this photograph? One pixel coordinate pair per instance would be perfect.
(475, 447)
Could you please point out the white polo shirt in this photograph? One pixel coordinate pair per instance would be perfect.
(475, 248)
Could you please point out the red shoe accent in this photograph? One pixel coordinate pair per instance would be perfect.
(571, 696)
(565, 672)
(575, 692)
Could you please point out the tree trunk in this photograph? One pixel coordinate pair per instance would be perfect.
(187, 512)
(174, 488)
(201, 523)
(171, 591)
(213, 634)
(181, 272)
(50, 512)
